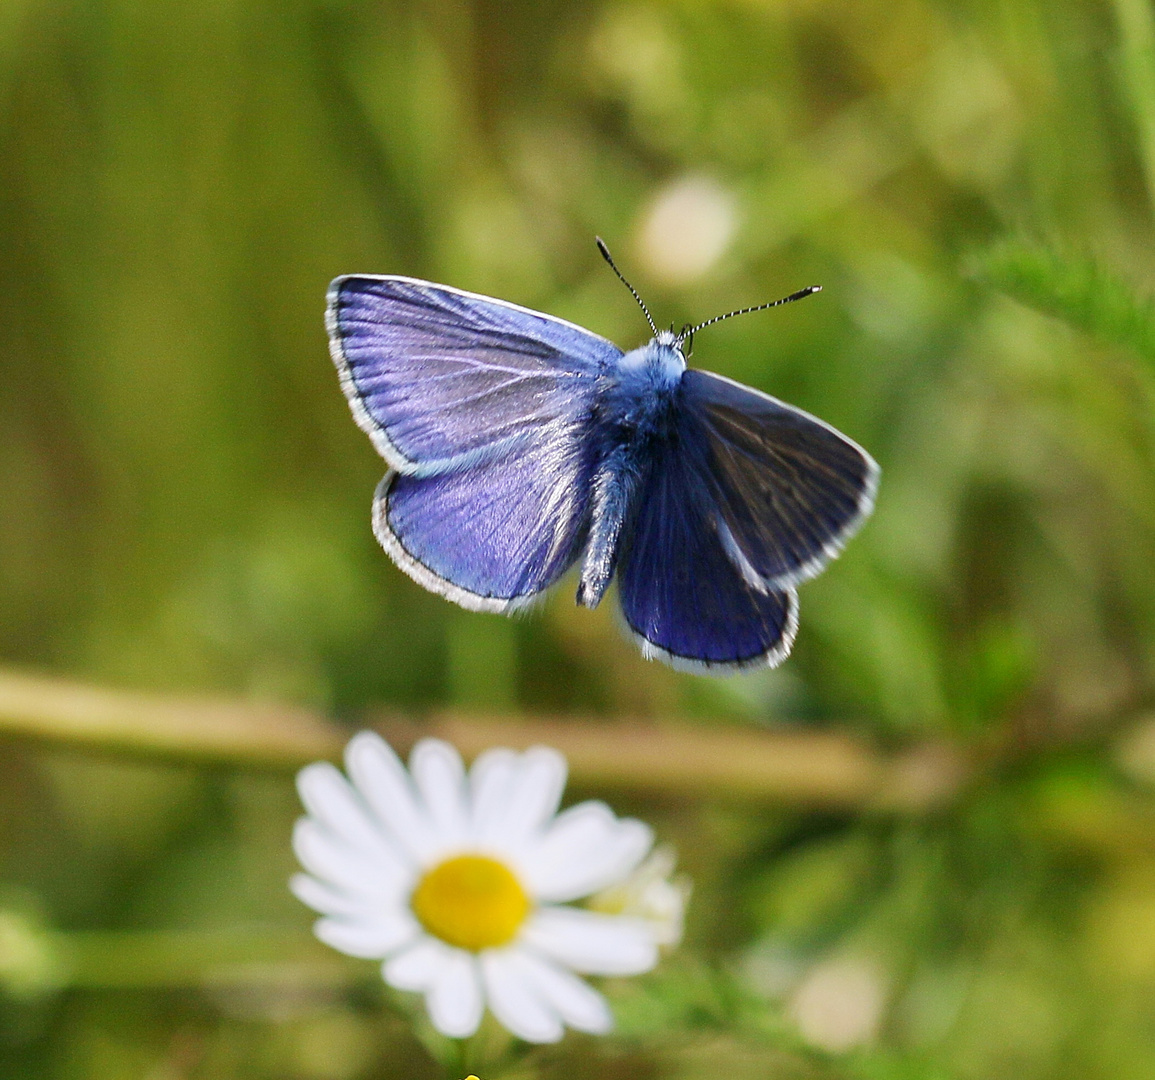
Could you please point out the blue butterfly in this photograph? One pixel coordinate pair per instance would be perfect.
(519, 443)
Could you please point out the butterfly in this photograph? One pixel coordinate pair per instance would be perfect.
(519, 443)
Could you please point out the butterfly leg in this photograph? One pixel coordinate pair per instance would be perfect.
(615, 489)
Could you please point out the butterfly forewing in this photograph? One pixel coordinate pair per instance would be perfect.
(441, 378)
(788, 489)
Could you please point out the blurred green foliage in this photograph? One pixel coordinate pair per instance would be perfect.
(1075, 288)
(184, 497)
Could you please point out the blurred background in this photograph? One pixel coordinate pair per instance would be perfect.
(184, 505)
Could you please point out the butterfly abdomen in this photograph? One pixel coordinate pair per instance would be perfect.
(635, 408)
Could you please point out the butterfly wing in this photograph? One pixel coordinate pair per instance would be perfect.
(489, 537)
(788, 489)
(746, 498)
(482, 410)
(682, 596)
(441, 378)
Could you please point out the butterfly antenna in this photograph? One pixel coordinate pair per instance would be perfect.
(634, 292)
(688, 332)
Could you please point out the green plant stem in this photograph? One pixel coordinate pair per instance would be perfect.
(251, 957)
(1136, 20)
(808, 768)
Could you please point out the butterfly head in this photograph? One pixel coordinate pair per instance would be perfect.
(659, 364)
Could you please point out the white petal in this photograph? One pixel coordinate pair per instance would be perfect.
(370, 938)
(515, 999)
(490, 782)
(419, 966)
(586, 849)
(384, 784)
(327, 900)
(440, 779)
(515, 795)
(327, 858)
(590, 942)
(331, 800)
(537, 791)
(454, 1000)
(578, 1003)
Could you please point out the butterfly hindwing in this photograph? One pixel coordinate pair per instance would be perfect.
(482, 410)
(492, 536)
(789, 490)
(680, 592)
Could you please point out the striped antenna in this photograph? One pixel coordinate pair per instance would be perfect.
(687, 332)
(634, 292)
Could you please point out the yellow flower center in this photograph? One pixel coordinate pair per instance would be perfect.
(471, 901)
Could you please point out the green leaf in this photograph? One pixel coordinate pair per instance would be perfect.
(1073, 287)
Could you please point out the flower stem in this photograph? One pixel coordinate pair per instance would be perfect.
(828, 769)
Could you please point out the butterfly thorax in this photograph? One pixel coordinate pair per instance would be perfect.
(635, 406)
(657, 365)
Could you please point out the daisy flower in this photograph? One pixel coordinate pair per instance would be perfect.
(462, 884)
(652, 892)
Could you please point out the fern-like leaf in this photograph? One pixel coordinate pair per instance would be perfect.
(1076, 288)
